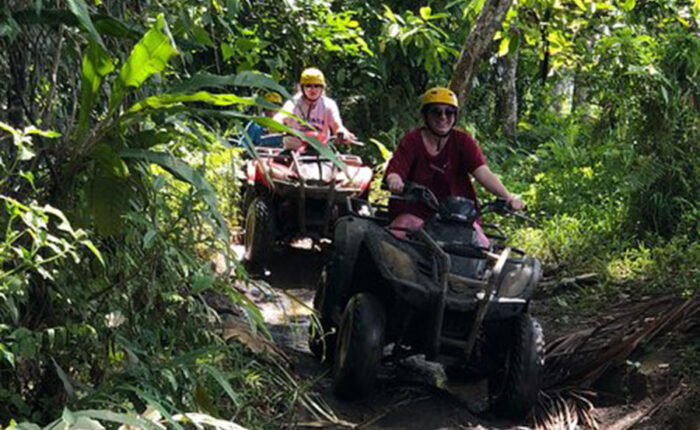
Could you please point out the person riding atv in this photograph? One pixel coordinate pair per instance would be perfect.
(320, 112)
(442, 158)
(432, 282)
(298, 191)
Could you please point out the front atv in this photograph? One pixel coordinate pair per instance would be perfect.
(437, 292)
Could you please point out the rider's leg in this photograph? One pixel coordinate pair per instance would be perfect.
(404, 222)
(483, 240)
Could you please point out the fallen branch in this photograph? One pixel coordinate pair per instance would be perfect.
(553, 287)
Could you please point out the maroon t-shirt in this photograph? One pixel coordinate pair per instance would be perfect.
(445, 174)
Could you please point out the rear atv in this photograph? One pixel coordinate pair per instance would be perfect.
(297, 194)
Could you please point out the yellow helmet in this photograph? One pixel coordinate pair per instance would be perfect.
(312, 75)
(440, 95)
(273, 97)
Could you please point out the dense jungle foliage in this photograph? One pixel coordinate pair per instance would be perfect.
(118, 123)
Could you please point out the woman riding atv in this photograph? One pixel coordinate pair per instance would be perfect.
(313, 106)
(442, 158)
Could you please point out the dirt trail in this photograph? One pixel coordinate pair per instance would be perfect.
(404, 398)
(408, 399)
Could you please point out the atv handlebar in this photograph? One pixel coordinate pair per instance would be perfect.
(422, 194)
(500, 206)
(418, 193)
(340, 139)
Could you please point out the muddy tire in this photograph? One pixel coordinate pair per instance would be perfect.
(322, 339)
(517, 364)
(259, 234)
(359, 347)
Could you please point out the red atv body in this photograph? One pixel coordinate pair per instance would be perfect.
(296, 193)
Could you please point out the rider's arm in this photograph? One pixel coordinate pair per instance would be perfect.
(490, 181)
(282, 116)
(288, 142)
(336, 123)
(400, 165)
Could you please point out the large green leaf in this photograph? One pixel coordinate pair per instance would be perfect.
(184, 172)
(104, 24)
(149, 56)
(108, 162)
(109, 192)
(80, 10)
(96, 64)
(164, 101)
(109, 201)
(246, 78)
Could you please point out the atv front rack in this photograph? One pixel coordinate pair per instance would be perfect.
(485, 295)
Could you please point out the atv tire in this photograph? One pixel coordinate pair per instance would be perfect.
(322, 339)
(359, 347)
(517, 367)
(259, 234)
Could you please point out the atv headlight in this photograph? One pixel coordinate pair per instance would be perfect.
(517, 278)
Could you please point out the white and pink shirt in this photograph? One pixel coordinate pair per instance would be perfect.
(323, 115)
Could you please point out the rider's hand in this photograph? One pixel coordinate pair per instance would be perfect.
(515, 203)
(346, 137)
(395, 183)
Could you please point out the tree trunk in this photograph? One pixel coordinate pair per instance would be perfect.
(544, 65)
(478, 41)
(17, 85)
(508, 94)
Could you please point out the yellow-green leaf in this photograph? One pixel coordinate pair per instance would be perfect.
(389, 14)
(503, 47)
(226, 51)
(149, 56)
(425, 12)
(97, 63)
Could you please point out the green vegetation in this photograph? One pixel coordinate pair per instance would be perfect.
(117, 120)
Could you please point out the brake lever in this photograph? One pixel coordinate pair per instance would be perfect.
(521, 216)
(500, 206)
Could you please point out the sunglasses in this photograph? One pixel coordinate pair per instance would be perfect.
(437, 112)
(313, 86)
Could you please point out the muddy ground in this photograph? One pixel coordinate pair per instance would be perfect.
(408, 398)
